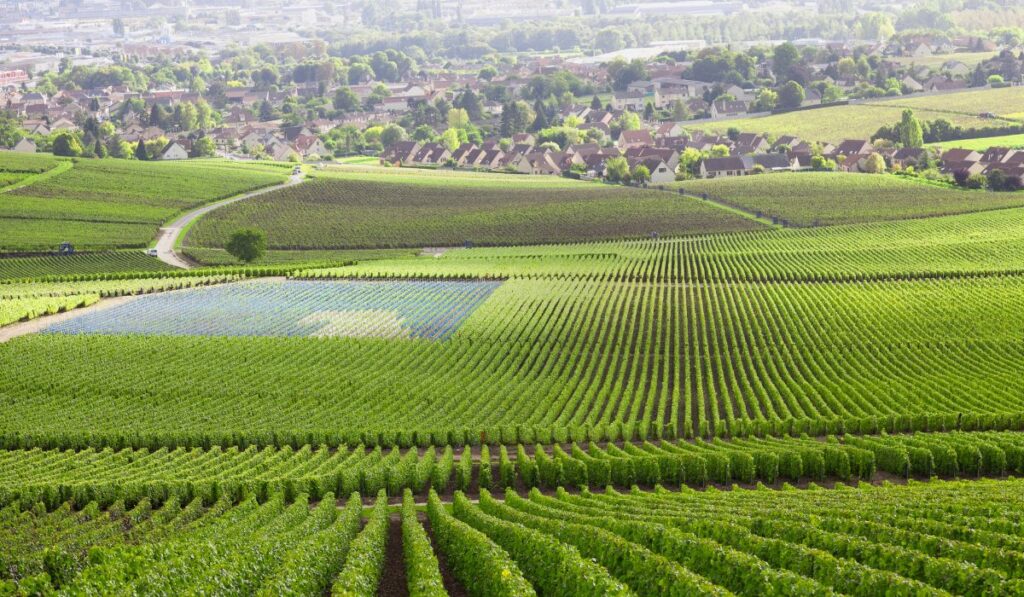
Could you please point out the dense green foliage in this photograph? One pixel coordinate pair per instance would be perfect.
(825, 198)
(361, 212)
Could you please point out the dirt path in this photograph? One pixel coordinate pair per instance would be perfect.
(450, 583)
(169, 234)
(40, 323)
(393, 582)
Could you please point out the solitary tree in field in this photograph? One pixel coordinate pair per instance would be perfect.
(247, 244)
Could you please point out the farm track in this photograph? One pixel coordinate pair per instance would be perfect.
(173, 233)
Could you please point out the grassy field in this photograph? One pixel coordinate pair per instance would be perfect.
(382, 208)
(983, 143)
(827, 198)
(103, 204)
(860, 121)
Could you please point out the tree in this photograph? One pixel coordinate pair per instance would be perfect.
(609, 39)
(791, 95)
(450, 139)
(784, 58)
(822, 164)
(186, 116)
(156, 116)
(630, 121)
(648, 111)
(623, 73)
(471, 104)
(595, 104)
(99, 150)
(515, 117)
(204, 147)
(391, 134)
(689, 162)
(423, 133)
(976, 181)
(247, 244)
(118, 27)
(679, 111)
(1000, 181)
(911, 134)
(345, 100)
(617, 169)
(641, 174)
(458, 118)
(140, 151)
(266, 111)
(10, 131)
(766, 101)
(488, 72)
(204, 114)
(719, 151)
(846, 67)
(540, 121)
(67, 144)
(874, 164)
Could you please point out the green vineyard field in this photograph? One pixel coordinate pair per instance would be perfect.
(341, 211)
(829, 198)
(574, 406)
(935, 538)
(104, 204)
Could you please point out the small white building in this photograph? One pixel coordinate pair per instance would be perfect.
(173, 151)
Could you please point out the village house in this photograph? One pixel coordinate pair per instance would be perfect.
(727, 166)
(776, 162)
(25, 145)
(638, 138)
(173, 151)
(721, 107)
